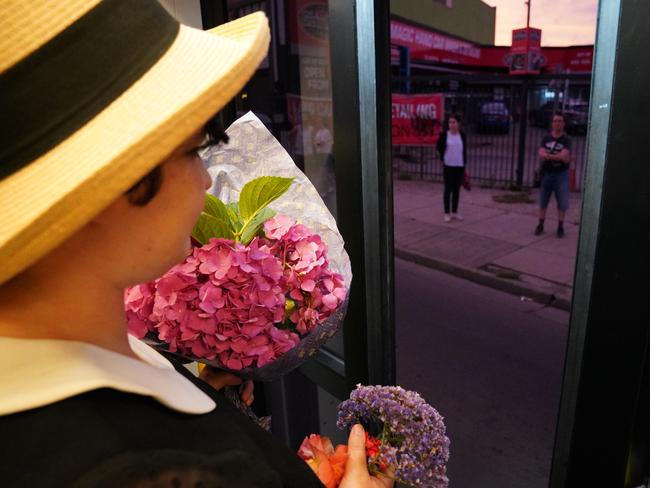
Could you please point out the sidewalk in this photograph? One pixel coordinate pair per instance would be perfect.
(494, 245)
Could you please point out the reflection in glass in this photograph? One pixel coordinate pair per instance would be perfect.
(291, 92)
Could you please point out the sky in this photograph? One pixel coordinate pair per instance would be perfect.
(563, 22)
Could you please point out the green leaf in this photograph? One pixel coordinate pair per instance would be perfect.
(258, 193)
(234, 217)
(208, 226)
(215, 207)
(214, 221)
(253, 227)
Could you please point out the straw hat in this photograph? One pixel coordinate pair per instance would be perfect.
(93, 95)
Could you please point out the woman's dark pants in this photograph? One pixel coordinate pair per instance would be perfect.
(453, 177)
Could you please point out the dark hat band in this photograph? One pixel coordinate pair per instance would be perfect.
(53, 92)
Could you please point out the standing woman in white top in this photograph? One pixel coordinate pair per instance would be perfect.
(452, 147)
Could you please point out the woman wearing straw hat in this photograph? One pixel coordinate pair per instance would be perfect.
(103, 107)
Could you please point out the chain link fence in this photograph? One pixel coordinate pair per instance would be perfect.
(498, 114)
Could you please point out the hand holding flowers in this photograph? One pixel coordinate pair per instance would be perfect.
(356, 469)
(411, 446)
(343, 466)
(219, 379)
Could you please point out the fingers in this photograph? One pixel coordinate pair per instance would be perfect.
(356, 464)
(386, 480)
(218, 379)
(356, 469)
(246, 392)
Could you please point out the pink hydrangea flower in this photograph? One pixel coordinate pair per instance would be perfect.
(276, 227)
(244, 306)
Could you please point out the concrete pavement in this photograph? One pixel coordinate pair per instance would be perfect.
(494, 245)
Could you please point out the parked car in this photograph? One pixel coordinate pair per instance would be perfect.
(493, 117)
(575, 116)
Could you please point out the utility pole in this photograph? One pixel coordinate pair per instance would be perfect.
(523, 114)
(527, 34)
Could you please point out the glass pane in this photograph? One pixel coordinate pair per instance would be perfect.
(482, 299)
(291, 92)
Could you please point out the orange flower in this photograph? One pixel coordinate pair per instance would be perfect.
(372, 451)
(328, 463)
(372, 446)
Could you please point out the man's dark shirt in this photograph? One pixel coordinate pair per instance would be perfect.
(554, 146)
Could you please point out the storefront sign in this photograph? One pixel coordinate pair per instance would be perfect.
(309, 37)
(309, 23)
(417, 119)
(575, 59)
(526, 51)
(427, 45)
(432, 47)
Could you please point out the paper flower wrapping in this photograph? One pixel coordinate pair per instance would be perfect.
(261, 294)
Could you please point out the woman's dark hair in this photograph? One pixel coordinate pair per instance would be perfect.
(146, 188)
(454, 116)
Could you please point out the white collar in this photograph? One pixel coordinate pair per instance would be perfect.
(37, 372)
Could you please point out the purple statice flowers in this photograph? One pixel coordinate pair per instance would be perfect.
(412, 433)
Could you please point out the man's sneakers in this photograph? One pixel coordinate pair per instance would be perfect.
(457, 216)
(539, 230)
(447, 218)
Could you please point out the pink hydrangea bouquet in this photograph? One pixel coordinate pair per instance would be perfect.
(256, 296)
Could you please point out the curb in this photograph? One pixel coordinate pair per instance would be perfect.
(484, 278)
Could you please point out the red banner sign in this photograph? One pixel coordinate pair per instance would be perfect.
(574, 59)
(417, 119)
(526, 51)
(429, 46)
(432, 46)
(308, 23)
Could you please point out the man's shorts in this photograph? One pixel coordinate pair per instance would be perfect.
(557, 183)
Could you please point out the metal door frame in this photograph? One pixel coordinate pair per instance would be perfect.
(603, 431)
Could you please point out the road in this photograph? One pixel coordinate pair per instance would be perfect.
(492, 366)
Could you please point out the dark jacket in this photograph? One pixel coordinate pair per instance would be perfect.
(108, 438)
(441, 146)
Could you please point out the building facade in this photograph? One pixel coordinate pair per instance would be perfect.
(471, 20)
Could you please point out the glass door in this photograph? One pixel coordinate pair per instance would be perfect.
(319, 93)
(603, 427)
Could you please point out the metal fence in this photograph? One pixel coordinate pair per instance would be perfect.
(491, 111)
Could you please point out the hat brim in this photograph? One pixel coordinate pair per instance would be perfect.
(55, 195)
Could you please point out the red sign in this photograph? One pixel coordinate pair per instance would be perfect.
(575, 59)
(417, 119)
(428, 45)
(308, 23)
(526, 51)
